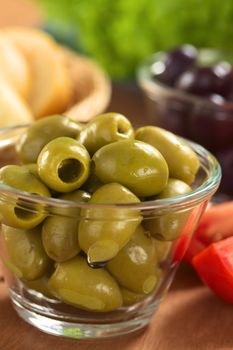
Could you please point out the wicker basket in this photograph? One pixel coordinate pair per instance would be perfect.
(91, 87)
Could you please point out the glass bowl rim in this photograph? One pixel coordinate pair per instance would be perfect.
(196, 196)
(148, 83)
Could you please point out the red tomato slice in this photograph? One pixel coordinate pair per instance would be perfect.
(216, 224)
(214, 266)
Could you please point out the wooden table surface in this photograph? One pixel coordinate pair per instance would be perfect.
(190, 318)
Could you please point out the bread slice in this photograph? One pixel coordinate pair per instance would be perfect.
(14, 66)
(51, 87)
(13, 109)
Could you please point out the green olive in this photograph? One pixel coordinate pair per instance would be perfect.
(174, 188)
(131, 298)
(63, 164)
(32, 167)
(27, 258)
(105, 129)
(21, 213)
(77, 284)
(183, 163)
(76, 196)
(60, 233)
(73, 210)
(134, 164)
(168, 226)
(162, 249)
(39, 285)
(60, 237)
(104, 231)
(41, 132)
(135, 266)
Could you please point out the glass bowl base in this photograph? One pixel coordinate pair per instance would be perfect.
(77, 330)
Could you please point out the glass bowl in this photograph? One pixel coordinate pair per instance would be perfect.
(112, 298)
(207, 122)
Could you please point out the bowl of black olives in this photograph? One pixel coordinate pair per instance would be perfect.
(95, 219)
(189, 91)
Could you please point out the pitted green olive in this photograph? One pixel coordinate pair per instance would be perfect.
(76, 196)
(131, 298)
(134, 164)
(40, 133)
(104, 231)
(77, 284)
(32, 167)
(60, 237)
(63, 164)
(183, 163)
(27, 258)
(60, 233)
(162, 249)
(104, 129)
(21, 213)
(39, 285)
(168, 226)
(135, 266)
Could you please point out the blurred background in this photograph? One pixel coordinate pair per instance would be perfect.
(120, 34)
(19, 12)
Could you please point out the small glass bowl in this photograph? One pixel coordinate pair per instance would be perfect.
(207, 122)
(141, 278)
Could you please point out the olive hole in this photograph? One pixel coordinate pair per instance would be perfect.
(69, 170)
(121, 129)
